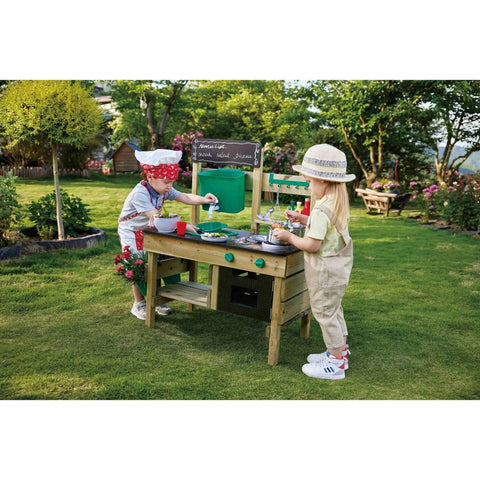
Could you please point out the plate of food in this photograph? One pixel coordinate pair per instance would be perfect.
(214, 237)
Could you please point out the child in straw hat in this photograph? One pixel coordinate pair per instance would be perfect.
(159, 171)
(328, 254)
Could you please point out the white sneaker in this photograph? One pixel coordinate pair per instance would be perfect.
(330, 368)
(163, 309)
(319, 357)
(139, 309)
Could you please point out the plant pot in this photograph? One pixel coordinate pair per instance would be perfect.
(11, 251)
(92, 237)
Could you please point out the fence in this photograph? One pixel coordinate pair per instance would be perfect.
(39, 172)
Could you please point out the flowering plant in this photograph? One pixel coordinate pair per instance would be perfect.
(131, 266)
(458, 204)
(279, 159)
(384, 185)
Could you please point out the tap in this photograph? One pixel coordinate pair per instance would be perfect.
(211, 208)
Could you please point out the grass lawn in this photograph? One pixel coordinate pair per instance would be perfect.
(66, 331)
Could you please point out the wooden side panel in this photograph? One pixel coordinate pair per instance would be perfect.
(295, 306)
(172, 266)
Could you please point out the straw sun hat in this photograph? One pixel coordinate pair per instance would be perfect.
(326, 163)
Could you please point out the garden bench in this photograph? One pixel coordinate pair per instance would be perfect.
(381, 201)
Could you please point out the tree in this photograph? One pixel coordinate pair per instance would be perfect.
(51, 113)
(260, 110)
(450, 117)
(367, 113)
(145, 108)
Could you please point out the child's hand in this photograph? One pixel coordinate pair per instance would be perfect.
(211, 198)
(282, 235)
(291, 215)
(191, 228)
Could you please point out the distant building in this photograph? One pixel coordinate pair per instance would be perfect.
(124, 158)
(101, 96)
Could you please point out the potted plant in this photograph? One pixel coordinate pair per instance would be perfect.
(42, 214)
(132, 268)
(107, 167)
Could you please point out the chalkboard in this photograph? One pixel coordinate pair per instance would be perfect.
(226, 152)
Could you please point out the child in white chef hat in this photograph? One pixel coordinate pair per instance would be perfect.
(159, 171)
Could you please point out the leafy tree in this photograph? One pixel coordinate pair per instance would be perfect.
(259, 110)
(450, 117)
(368, 113)
(145, 108)
(52, 113)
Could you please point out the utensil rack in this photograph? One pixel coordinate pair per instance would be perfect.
(289, 183)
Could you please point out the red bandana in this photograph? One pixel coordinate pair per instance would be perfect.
(165, 171)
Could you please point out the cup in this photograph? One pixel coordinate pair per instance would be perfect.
(181, 228)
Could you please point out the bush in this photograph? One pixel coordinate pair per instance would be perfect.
(9, 207)
(43, 213)
(183, 143)
(279, 159)
(458, 204)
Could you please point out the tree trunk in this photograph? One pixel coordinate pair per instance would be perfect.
(151, 126)
(58, 197)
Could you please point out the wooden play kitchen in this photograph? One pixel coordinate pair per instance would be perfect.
(247, 276)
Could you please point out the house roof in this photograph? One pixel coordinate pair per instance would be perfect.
(129, 144)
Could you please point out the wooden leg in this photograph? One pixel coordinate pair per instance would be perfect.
(275, 328)
(151, 289)
(305, 327)
(274, 343)
(192, 276)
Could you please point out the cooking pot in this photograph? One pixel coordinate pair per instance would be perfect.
(296, 228)
(271, 238)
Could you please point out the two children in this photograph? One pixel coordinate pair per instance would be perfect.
(328, 254)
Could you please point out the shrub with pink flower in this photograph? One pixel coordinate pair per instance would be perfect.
(131, 266)
(458, 203)
(279, 159)
(183, 143)
(384, 185)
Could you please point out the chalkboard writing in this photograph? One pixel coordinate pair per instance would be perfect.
(226, 152)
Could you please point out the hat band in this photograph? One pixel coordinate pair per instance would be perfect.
(310, 172)
(163, 171)
(326, 163)
(325, 168)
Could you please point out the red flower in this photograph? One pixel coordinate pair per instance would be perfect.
(119, 269)
(118, 257)
(126, 255)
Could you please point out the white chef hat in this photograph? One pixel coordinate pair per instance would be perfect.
(160, 163)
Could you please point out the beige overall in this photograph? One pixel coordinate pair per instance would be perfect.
(327, 279)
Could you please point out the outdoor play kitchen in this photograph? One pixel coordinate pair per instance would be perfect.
(250, 273)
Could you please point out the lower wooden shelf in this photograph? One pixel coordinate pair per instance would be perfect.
(185, 291)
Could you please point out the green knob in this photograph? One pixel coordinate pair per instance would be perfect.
(229, 257)
(260, 262)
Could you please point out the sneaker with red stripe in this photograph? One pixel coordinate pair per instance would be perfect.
(319, 357)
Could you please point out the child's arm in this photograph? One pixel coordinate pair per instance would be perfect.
(192, 199)
(307, 244)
